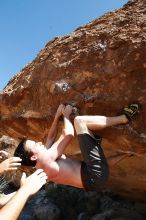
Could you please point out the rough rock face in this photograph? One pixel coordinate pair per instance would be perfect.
(99, 67)
(54, 203)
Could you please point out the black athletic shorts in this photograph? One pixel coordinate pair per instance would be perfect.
(94, 168)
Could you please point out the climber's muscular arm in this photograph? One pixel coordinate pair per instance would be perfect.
(57, 149)
(53, 129)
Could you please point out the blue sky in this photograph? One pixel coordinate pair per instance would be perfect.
(27, 25)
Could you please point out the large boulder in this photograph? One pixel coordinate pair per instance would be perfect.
(100, 67)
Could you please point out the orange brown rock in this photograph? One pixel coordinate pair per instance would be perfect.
(99, 67)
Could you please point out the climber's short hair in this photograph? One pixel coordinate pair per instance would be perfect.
(25, 155)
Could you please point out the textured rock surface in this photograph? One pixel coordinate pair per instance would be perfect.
(100, 67)
(65, 203)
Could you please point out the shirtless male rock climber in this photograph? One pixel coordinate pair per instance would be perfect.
(91, 173)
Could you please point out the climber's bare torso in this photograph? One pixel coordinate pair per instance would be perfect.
(64, 170)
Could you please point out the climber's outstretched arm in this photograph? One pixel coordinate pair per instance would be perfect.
(54, 127)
